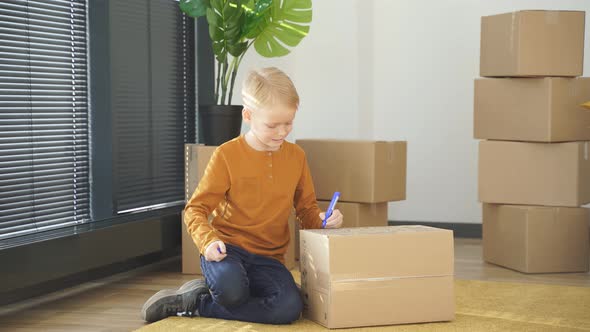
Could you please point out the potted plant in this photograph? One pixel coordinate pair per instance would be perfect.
(272, 26)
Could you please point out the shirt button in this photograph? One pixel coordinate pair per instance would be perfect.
(270, 153)
(270, 176)
(269, 165)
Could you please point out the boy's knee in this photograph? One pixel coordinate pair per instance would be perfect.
(288, 308)
(231, 293)
(227, 282)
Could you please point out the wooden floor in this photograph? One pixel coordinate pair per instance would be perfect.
(113, 304)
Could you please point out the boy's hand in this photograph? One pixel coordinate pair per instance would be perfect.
(335, 220)
(215, 251)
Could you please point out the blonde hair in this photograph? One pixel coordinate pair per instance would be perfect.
(269, 86)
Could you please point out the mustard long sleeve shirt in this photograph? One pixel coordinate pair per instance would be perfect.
(250, 195)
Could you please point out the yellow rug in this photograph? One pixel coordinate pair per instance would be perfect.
(480, 306)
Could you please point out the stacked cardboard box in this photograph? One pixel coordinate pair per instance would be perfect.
(377, 275)
(368, 175)
(534, 170)
(356, 215)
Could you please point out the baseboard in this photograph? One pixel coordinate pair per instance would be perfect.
(82, 277)
(463, 230)
(43, 267)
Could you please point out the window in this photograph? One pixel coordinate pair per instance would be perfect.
(44, 159)
(152, 100)
(78, 147)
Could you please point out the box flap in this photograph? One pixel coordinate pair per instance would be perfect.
(382, 252)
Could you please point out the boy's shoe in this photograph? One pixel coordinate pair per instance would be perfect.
(192, 284)
(183, 301)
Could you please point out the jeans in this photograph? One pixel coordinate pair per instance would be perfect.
(249, 287)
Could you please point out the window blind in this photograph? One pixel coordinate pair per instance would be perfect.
(153, 102)
(44, 158)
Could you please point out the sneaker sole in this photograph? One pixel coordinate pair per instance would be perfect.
(171, 296)
(164, 294)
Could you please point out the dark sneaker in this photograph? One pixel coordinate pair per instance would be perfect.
(192, 284)
(183, 301)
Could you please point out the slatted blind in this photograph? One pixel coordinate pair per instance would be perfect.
(153, 102)
(43, 115)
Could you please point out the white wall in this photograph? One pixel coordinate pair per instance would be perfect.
(401, 70)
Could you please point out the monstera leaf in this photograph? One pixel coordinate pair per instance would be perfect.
(286, 23)
(194, 8)
(256, 14)
(226, 19)
(272, 26)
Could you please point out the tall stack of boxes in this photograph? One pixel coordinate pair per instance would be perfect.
(368, 175)
(534, 166)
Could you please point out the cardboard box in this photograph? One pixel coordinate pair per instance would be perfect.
(355, 215)
(360, 214)
(196, 159)
(536, 239)
(191, 258)
(363, 171)
(551, 174)
(377, 275)
(532, 109)
(290, 255)
(533, 43)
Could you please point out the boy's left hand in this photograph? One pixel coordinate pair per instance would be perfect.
(335, 220)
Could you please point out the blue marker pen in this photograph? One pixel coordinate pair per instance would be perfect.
(331, 208)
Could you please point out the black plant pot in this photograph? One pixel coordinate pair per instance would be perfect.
(219, 123)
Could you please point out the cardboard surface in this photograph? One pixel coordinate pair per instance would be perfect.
(532, 109)
(191, 258)
(355, 215)
(535, 239)
(532, 43)
(290, 255)
(196, 159)
(360, 214)
(377, 275)
(551, 174)
(363, 171)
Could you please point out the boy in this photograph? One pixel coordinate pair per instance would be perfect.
(250, 186)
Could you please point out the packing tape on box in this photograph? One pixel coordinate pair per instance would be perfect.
(373, 209)
(391, 154)
(512, 29)
(551, 17)
(374, 230)
(573, 87)
(337, 280)
(383, 284)
(321, 279)
(352, 283)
